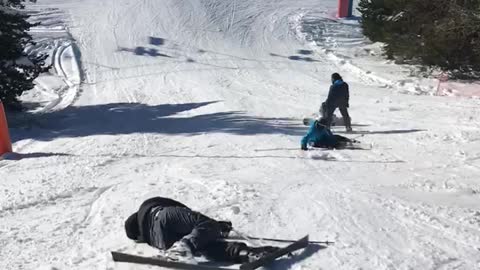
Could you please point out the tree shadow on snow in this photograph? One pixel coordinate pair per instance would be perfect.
(129, 118)
(20, 156)
(305, 52)
(142, 51)
(295, 57)
(170, 51)
(157, 41)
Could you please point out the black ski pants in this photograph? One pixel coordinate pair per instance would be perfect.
(342, 142)
(329, 110)
(203, 234)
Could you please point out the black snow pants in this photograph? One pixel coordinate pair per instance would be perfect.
(203, 234)
(327, 112)
(341, 142)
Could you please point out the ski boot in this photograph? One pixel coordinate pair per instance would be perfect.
(256, 253)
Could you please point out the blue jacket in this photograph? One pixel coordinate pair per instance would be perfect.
(319, 136)
(339, 95)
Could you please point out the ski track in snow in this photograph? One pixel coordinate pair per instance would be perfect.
(202, 101)
(61, 86)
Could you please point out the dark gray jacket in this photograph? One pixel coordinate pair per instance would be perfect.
(339, 95)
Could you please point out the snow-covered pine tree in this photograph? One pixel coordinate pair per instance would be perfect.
(438, 33)
(17, 69)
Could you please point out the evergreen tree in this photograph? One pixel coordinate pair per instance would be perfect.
(441, 33)
(17, 69)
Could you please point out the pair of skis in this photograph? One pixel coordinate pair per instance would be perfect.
(158, 261)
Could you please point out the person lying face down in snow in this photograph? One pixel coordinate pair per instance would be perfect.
(319, 135)
(169, 225)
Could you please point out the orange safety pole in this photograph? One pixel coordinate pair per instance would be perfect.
(345, 8)
(5, 142)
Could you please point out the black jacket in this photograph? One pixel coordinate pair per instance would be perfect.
(339, 95)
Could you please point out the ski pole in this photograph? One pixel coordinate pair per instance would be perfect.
(359, 136)
(243, 236)
(290, 241)
(251, 238)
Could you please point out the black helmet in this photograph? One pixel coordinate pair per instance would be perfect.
(336, 77)
(131, 227)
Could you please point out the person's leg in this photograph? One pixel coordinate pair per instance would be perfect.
(323, 110)
(197, 230)
(205, 231)
(342, 142)
(225, 251)
(235, 252)
(346, 118)
(329, 115)
(317, 145)
(179, 223)
(342, 138)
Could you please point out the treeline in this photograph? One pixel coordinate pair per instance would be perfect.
(18, 69)
(436, 33)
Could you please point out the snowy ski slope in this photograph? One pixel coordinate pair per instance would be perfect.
(202, 101)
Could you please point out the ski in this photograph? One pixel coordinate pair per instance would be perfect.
(353, 146)
(308, 121)
(359, 146)
(163, 262)
(279, 240)
(299, 244)
(158, 261)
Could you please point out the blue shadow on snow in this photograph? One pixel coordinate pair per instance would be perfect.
(129, 118)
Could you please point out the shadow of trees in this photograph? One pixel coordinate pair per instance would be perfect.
(296, 57)
(129, 118)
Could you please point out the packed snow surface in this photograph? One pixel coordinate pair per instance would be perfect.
(202, 101)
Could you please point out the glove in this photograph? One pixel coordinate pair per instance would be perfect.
(304, 148)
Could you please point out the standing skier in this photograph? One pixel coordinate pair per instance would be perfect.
(338, 97)
(319, 135)
(170, 225)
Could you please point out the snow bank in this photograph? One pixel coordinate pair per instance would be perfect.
(58, 88)
(342, 42)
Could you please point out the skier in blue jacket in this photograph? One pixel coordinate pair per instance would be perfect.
(319, 135)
